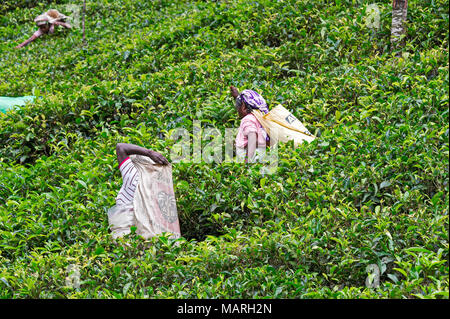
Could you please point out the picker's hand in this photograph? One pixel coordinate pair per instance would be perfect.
(64, 24)
(157, 158)
(234, 91)
(36, 35)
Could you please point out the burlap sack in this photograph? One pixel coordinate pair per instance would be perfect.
(282, 126)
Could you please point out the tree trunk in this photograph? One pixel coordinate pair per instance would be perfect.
(84, 19)
(399, 11)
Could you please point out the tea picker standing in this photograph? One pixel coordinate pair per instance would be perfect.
(259, 126)
(47, 23)
(252, 139)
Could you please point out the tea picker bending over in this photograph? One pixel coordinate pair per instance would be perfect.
(146, 199)
(128, 170)
(47, 23)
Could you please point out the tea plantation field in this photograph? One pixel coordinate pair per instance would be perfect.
(371, 192)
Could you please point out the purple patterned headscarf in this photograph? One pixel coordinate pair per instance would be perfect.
(254, 100)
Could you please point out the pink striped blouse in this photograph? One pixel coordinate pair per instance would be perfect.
(249, 124)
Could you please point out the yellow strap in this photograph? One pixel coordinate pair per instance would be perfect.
(291, 127)
(280, 123)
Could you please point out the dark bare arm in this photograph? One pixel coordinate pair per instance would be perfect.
(234, 91)
(36, 35)
(64, 24)
(124, 150)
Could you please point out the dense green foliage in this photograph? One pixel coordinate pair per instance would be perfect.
(372, 189)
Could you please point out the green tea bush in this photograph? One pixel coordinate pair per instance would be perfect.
(18, 5)
(371, 190)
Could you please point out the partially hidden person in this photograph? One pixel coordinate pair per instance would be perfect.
(47, 24)
(146, 199)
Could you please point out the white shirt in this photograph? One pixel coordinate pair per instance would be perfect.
(130, 177)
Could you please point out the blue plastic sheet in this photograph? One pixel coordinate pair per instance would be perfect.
(7, 103)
